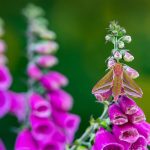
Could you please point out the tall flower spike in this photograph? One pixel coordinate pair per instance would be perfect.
(122, 125)
(49, 124)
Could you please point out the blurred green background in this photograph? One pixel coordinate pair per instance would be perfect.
(80, 27)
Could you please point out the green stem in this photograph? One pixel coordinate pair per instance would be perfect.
(89, 131)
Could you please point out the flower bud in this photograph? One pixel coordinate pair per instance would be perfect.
(128, 57)
(117, 55)
(34, 72)
(108, 37)
(127, 39)
(47, 61)
(111, 63)
(121, 44)
(131, 72)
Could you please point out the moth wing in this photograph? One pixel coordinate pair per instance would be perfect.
(130, 87)
(104, 84)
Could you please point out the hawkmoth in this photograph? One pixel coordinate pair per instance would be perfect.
(118, 82)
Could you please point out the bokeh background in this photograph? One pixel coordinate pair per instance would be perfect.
(80, 26)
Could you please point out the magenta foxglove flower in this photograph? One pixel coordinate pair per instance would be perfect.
(18, 106)
(104, 140)
(128, 105)
(2, 46)
(137, 117)
(4, 103)
(2, 146)
(69, 122)
(5, 78)
(144, 130)
(25, 141)
(127, 133)
(140, 144)
(47, 61)
(34, 72)
(53, 80)
(40, 107)
(117, 117)
(60, 100)
(41, 128)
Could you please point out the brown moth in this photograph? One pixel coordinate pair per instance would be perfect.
(118, 82)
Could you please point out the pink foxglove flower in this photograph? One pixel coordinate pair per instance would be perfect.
(117, 55)
(117, 117)
(25, 141)
(18, 105)
(5, 78)
(104, 140)
(34, 72)
(111, 63)
(131, 72)
(128, 57)
(46, 61)
(128, 105)
(39, 106)
(61, 100)
(2, 146)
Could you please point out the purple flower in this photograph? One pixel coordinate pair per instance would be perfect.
(140, 144)
(39, 106)
(144, 130)
(127, 105)
(5, 78)
(47, 61)
(41, 127)
(137, 117)
(25, 141)
(60, 100)
(116, 115)
(4, 103)
(127, 133)
(34, 72)
(51, 145)
(69, 122)
(104, 140)
(18, 105)
(53, 80)
(2, 146)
